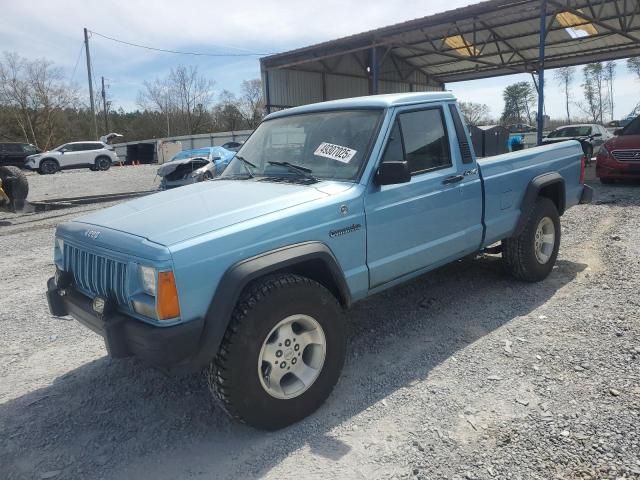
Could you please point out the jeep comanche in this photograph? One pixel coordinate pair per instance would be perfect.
(248, 276)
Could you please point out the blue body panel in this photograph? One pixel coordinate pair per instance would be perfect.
(399, 231)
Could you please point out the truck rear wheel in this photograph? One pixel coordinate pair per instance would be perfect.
(531, 255)
(282, 353)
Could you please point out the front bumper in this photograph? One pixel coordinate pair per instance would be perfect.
(168, 184)
(609, 168)
(124, 336)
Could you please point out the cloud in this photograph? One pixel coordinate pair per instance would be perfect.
(53, 30)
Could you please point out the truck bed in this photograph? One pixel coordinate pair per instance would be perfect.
(506, 177)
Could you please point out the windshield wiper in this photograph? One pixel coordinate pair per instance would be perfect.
(303, 171)
(246, 164)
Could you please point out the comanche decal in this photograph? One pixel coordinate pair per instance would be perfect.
(343, 231)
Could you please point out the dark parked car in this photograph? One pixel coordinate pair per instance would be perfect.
(591, 136)
(12, 153)
(521, 128)
(619, 157)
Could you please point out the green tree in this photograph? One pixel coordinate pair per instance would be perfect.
(519, 100)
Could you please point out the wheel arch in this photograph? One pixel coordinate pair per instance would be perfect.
(310, 259)
(53, 159)
(549, 185)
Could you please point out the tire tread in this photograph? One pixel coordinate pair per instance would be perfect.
(219, 383)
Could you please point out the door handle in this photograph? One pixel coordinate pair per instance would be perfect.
(453, 179)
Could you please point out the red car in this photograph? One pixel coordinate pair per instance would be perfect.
(619, 157)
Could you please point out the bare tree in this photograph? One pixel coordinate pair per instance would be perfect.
(609, 77)
(564, 77)
(36, 94)
(251, 102)
(226, 114)
(593, 83)
(633, 65)
(184, 97)
(474, 113)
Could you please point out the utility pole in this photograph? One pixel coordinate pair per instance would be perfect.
(541, 54)
(93, 108)
(106, 113)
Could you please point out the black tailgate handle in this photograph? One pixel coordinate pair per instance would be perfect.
(453, 179)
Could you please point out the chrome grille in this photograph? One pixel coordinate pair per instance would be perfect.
(626, 155)
(97, 275)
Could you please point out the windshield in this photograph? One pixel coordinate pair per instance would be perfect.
(633, 128)
(330, 145)
(581, 131)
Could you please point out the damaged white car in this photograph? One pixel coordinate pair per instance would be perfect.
(192, 166)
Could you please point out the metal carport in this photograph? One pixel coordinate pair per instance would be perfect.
(492, 38)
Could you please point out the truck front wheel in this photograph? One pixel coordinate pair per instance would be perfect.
(531, 255)
(282, 353)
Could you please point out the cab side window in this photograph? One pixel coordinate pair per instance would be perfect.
(425, 140)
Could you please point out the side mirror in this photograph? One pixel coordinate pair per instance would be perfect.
(391, 173)
(617, 131)
(64, 150)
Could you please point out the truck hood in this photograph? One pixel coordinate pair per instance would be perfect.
(176, 215)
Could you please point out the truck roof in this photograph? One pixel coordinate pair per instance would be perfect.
(370, 101)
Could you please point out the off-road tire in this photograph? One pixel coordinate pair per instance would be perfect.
(103, 163)
(233, 376)
(17, 189)
(518, 252)
(48, 166)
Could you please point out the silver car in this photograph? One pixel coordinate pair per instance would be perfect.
(192, 166)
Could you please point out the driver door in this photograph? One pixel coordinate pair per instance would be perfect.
(434, 218)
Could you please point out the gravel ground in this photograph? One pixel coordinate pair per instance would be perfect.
(462, 374)
(81, 182)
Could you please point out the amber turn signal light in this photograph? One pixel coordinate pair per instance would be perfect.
(167, 306)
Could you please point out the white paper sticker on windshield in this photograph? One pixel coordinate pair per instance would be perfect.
(335, 152)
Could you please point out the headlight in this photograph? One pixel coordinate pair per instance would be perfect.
(148, 280)
(162, 287)
(58, 252)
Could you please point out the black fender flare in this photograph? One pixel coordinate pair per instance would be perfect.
(533, 192)
(239, 275)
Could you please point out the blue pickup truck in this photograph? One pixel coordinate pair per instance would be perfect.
(248, 276)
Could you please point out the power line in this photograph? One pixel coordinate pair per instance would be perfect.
(250, 54)
(77, 62)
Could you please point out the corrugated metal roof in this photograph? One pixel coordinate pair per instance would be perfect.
(502, 36)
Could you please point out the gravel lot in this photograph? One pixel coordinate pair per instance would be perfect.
(462, 374)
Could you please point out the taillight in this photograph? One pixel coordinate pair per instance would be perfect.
(583, 162)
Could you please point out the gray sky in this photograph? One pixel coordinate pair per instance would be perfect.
(53, 29)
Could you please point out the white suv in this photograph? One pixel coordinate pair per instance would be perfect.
(95, 155)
